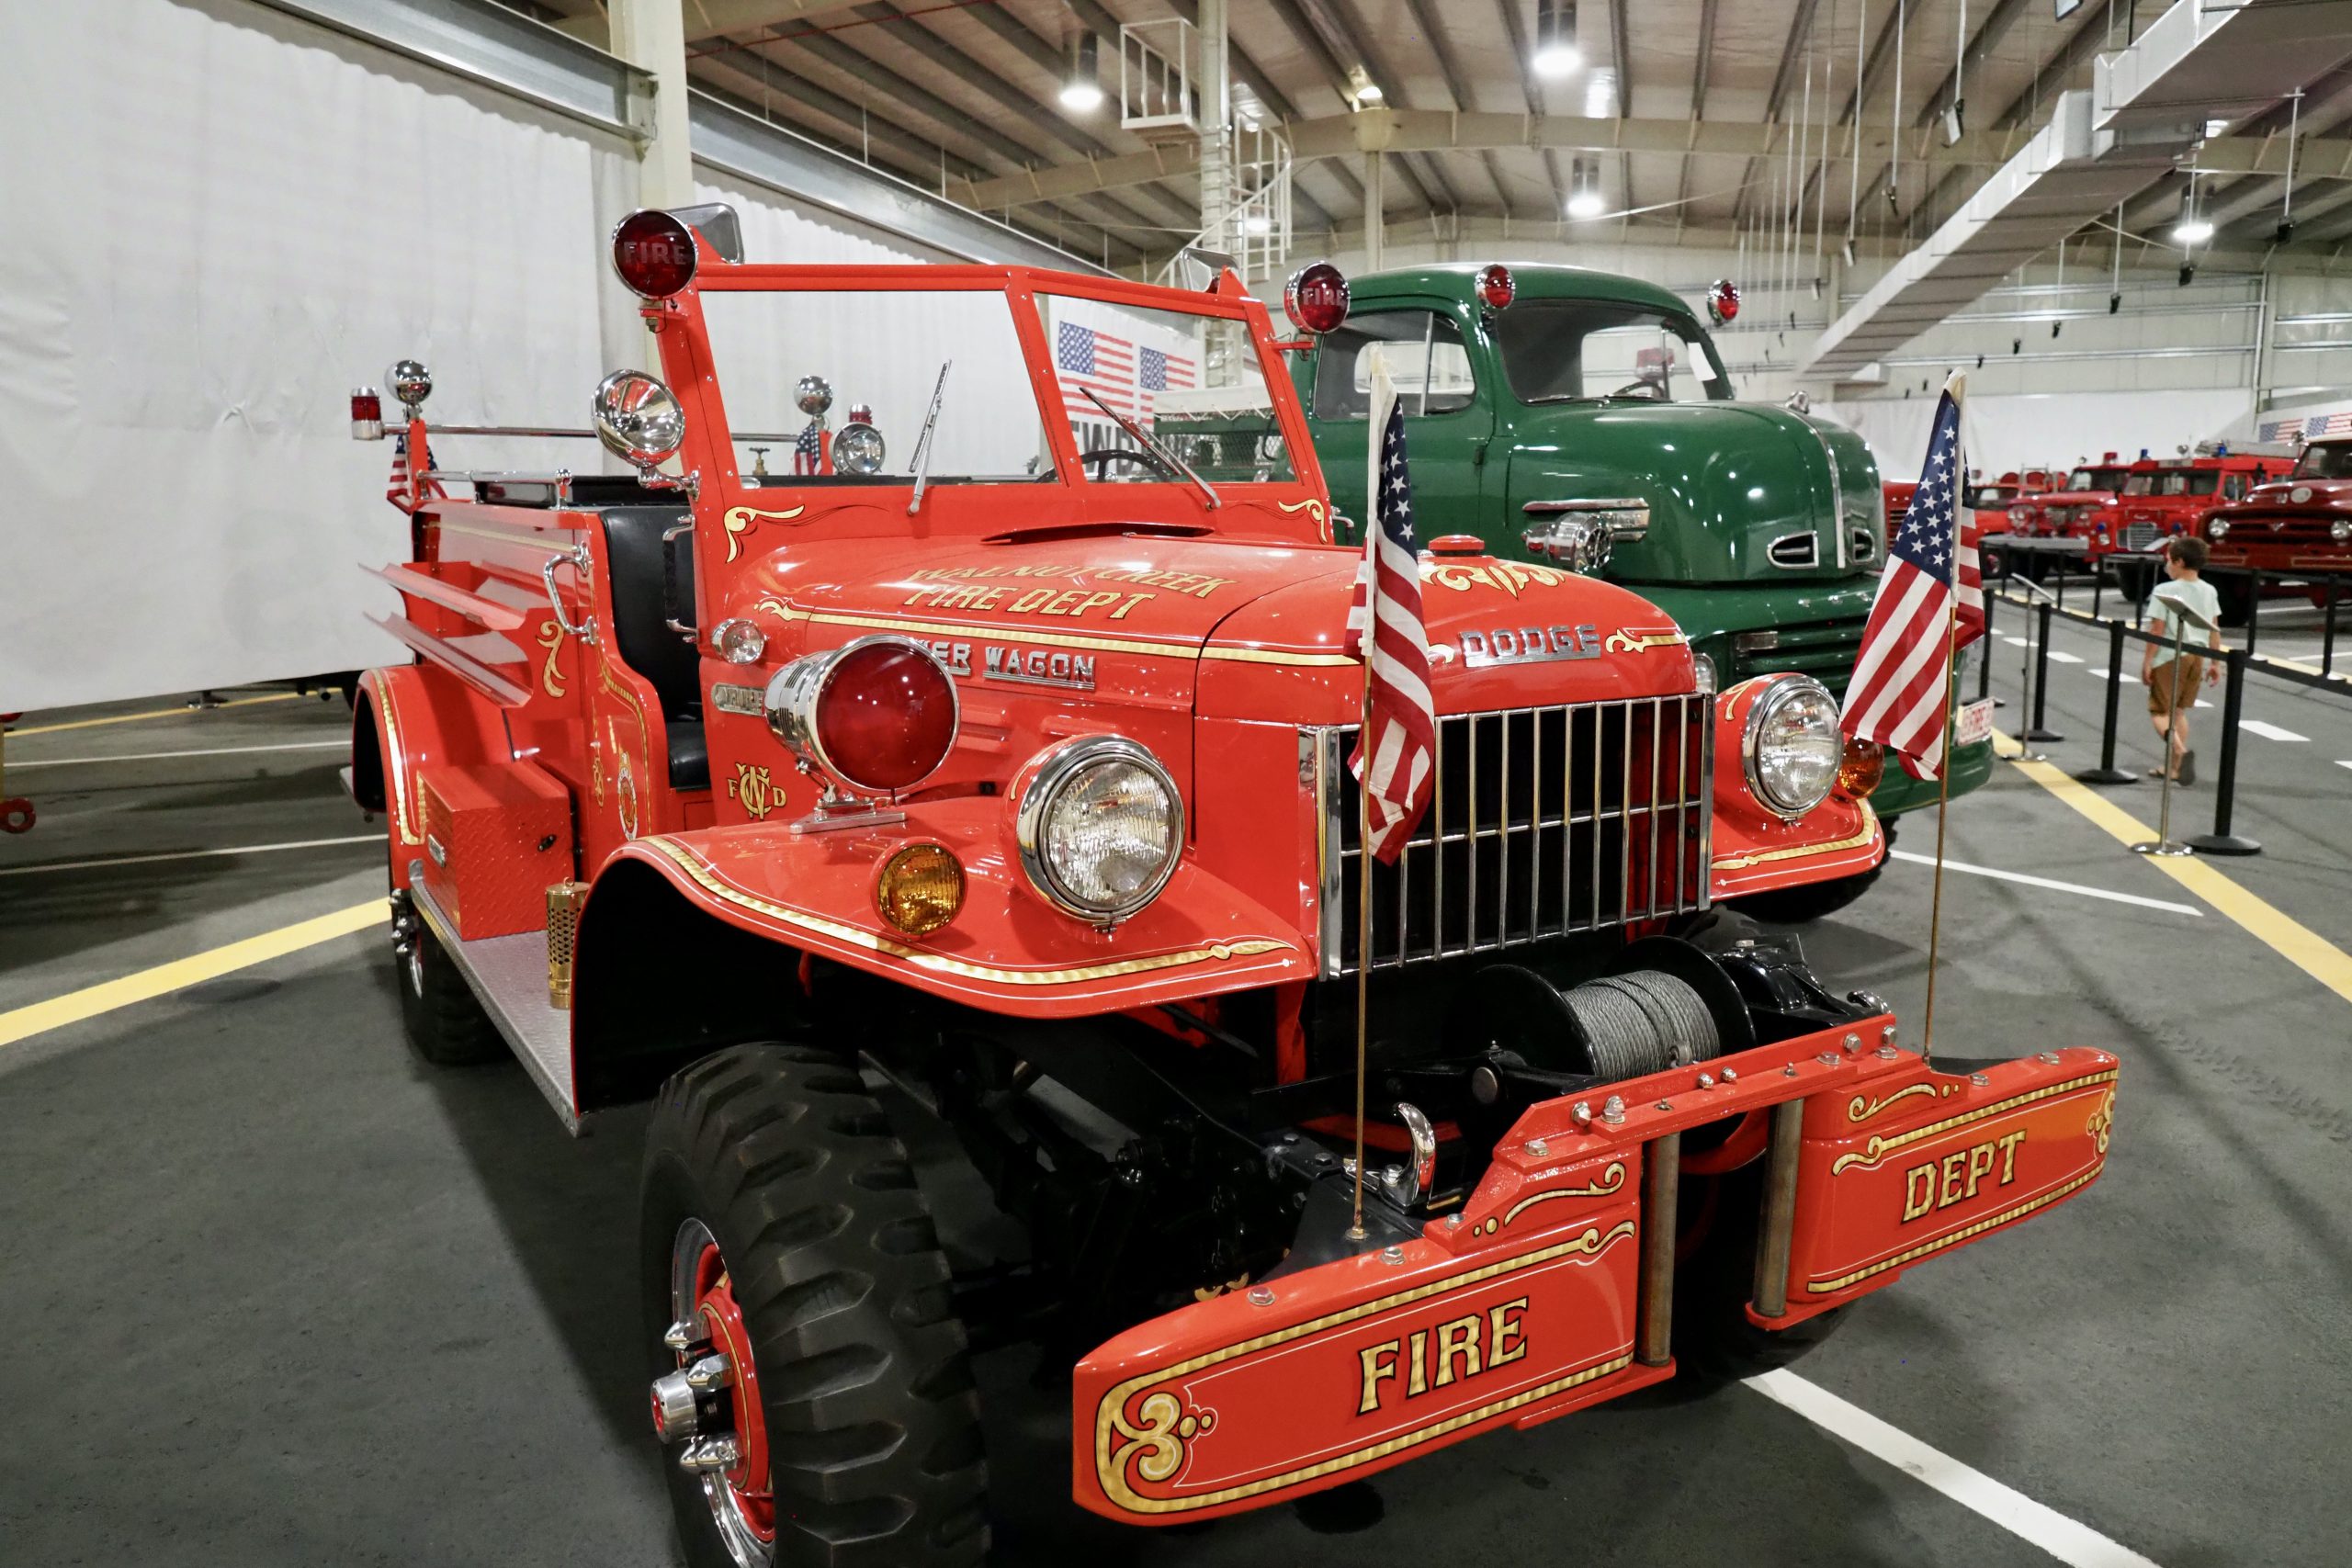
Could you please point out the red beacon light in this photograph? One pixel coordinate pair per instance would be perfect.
(1722, 301)
(1497, 288)
(878, 713)
(653, 251)
(367, 414)
(1315, 297)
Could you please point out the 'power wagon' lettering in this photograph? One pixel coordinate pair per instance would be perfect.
(1466, 1346)
(1942, 1182)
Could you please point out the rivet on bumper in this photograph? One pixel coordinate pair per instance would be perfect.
(2047, 1058)
(1854, 1042)
(1393, 1256)
(1980, 1080)
(1538, 1147)
(1581, 1114)
(1613, 1110)
(1262, 1296)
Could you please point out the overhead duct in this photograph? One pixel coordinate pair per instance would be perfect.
(2145, 111)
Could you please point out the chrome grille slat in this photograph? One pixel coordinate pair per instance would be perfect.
(1455, 888)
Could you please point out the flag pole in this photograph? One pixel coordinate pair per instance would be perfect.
(1943, 802)
(1956, 387)
(1364, 935)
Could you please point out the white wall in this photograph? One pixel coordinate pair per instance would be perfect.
(204, 259)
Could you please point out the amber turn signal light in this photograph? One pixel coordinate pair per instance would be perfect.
(1864, 765)
(920, 888)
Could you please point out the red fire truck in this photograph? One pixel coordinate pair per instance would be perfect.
(2071, 509)
(2161, 499)
(1016, 779)
(2302, 522)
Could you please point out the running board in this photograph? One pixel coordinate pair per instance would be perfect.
(509, 975)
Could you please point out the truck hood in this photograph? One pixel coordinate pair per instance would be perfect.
(2281, 493)
(1246, 629)
(1727, 483)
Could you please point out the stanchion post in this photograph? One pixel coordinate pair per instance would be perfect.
(2036, 731)
(2098, 589)
(2253, 610)
(2327, 627)
(2221, 840)
(2107, 773)
(1985, 645)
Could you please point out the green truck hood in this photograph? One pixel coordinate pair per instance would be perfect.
(1725, 483)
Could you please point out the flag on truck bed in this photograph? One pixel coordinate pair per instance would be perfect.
(1930, 602)
(1397, 743)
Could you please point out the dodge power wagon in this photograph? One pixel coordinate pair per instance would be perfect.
(1540, 399)
(2300, 524)
(1001, 786)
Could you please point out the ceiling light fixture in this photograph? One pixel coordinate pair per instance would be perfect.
(1082, 94)
(2192, 230)
(1361, 87)
(1555, 40)
(1584, 193)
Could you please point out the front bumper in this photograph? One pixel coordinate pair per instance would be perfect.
(1552, 1288)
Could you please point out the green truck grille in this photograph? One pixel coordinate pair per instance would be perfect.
(1822, 649)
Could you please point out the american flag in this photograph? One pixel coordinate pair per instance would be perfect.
(1085, 358)
(1397, 740)
(1902, 686)
(402, 490)
(809, 451)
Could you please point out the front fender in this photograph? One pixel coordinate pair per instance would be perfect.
(405, 718)
(1755, 848)
(1007, 951)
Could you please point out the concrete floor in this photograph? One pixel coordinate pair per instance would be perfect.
(276, 1293)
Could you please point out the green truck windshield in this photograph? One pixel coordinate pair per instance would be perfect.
(1564, 350)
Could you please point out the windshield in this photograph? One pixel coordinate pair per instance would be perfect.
(1192, 383)
(1988, 497)
(2198, 482)
(1564, 350)
(798, 368)
(2139, 484)
(2093, 479)
(2325, 460)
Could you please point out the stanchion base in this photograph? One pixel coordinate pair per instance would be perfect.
(2222, 844)
(2106, 776)
(2043, 737)
(2168, 848)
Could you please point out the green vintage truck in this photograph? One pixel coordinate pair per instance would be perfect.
(1765, 528)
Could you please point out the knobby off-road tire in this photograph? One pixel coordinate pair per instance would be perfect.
(872, 1416)
(444, 1022)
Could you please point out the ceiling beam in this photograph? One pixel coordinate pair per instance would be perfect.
(991, 84)
(710, 18)
(1405, 130)
(1251, 75)
(1522, 50)
(850, 63)
(1698, 68)
(1440, 43)
(1783, 80)
(1327, 48)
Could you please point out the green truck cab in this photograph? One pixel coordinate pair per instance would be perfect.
(1765, 532)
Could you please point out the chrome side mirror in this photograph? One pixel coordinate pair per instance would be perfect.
(639, 421)
(411, 382)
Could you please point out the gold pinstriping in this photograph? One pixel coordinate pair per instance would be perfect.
(1830, 1287)
(704, 878)
(1879, 1148)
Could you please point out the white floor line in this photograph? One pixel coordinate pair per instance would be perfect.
(2060, 656)
(2270, 731)
(2055, 887)
(2343, 763)
(341, 745)
(191, 854)
(2077, 1545)
(2013, 641)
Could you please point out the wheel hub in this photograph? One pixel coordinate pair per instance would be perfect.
(710, 1403)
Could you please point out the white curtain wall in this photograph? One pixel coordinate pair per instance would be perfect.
(254, 216)
(2057, 429)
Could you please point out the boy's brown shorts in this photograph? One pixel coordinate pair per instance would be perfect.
(2192, 676)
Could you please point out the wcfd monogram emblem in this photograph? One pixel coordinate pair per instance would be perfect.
(750, 787)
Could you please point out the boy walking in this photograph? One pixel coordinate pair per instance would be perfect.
(2172, 684)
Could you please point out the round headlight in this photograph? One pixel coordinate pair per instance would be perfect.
(1793, 749)
(2220, 528)
(2340, 530)
(858, 449)
(1101, 828)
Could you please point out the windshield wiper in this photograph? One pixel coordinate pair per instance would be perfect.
(921, 463)
(1168, 458)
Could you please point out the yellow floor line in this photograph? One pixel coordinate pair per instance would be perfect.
(148, 984)
(156, 713)
(2291, 940)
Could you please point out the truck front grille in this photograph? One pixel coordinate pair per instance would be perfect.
(2139, 535)
(1822, 649)
(1545, 821)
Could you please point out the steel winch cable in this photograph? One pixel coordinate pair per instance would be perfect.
(1643, 1022)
